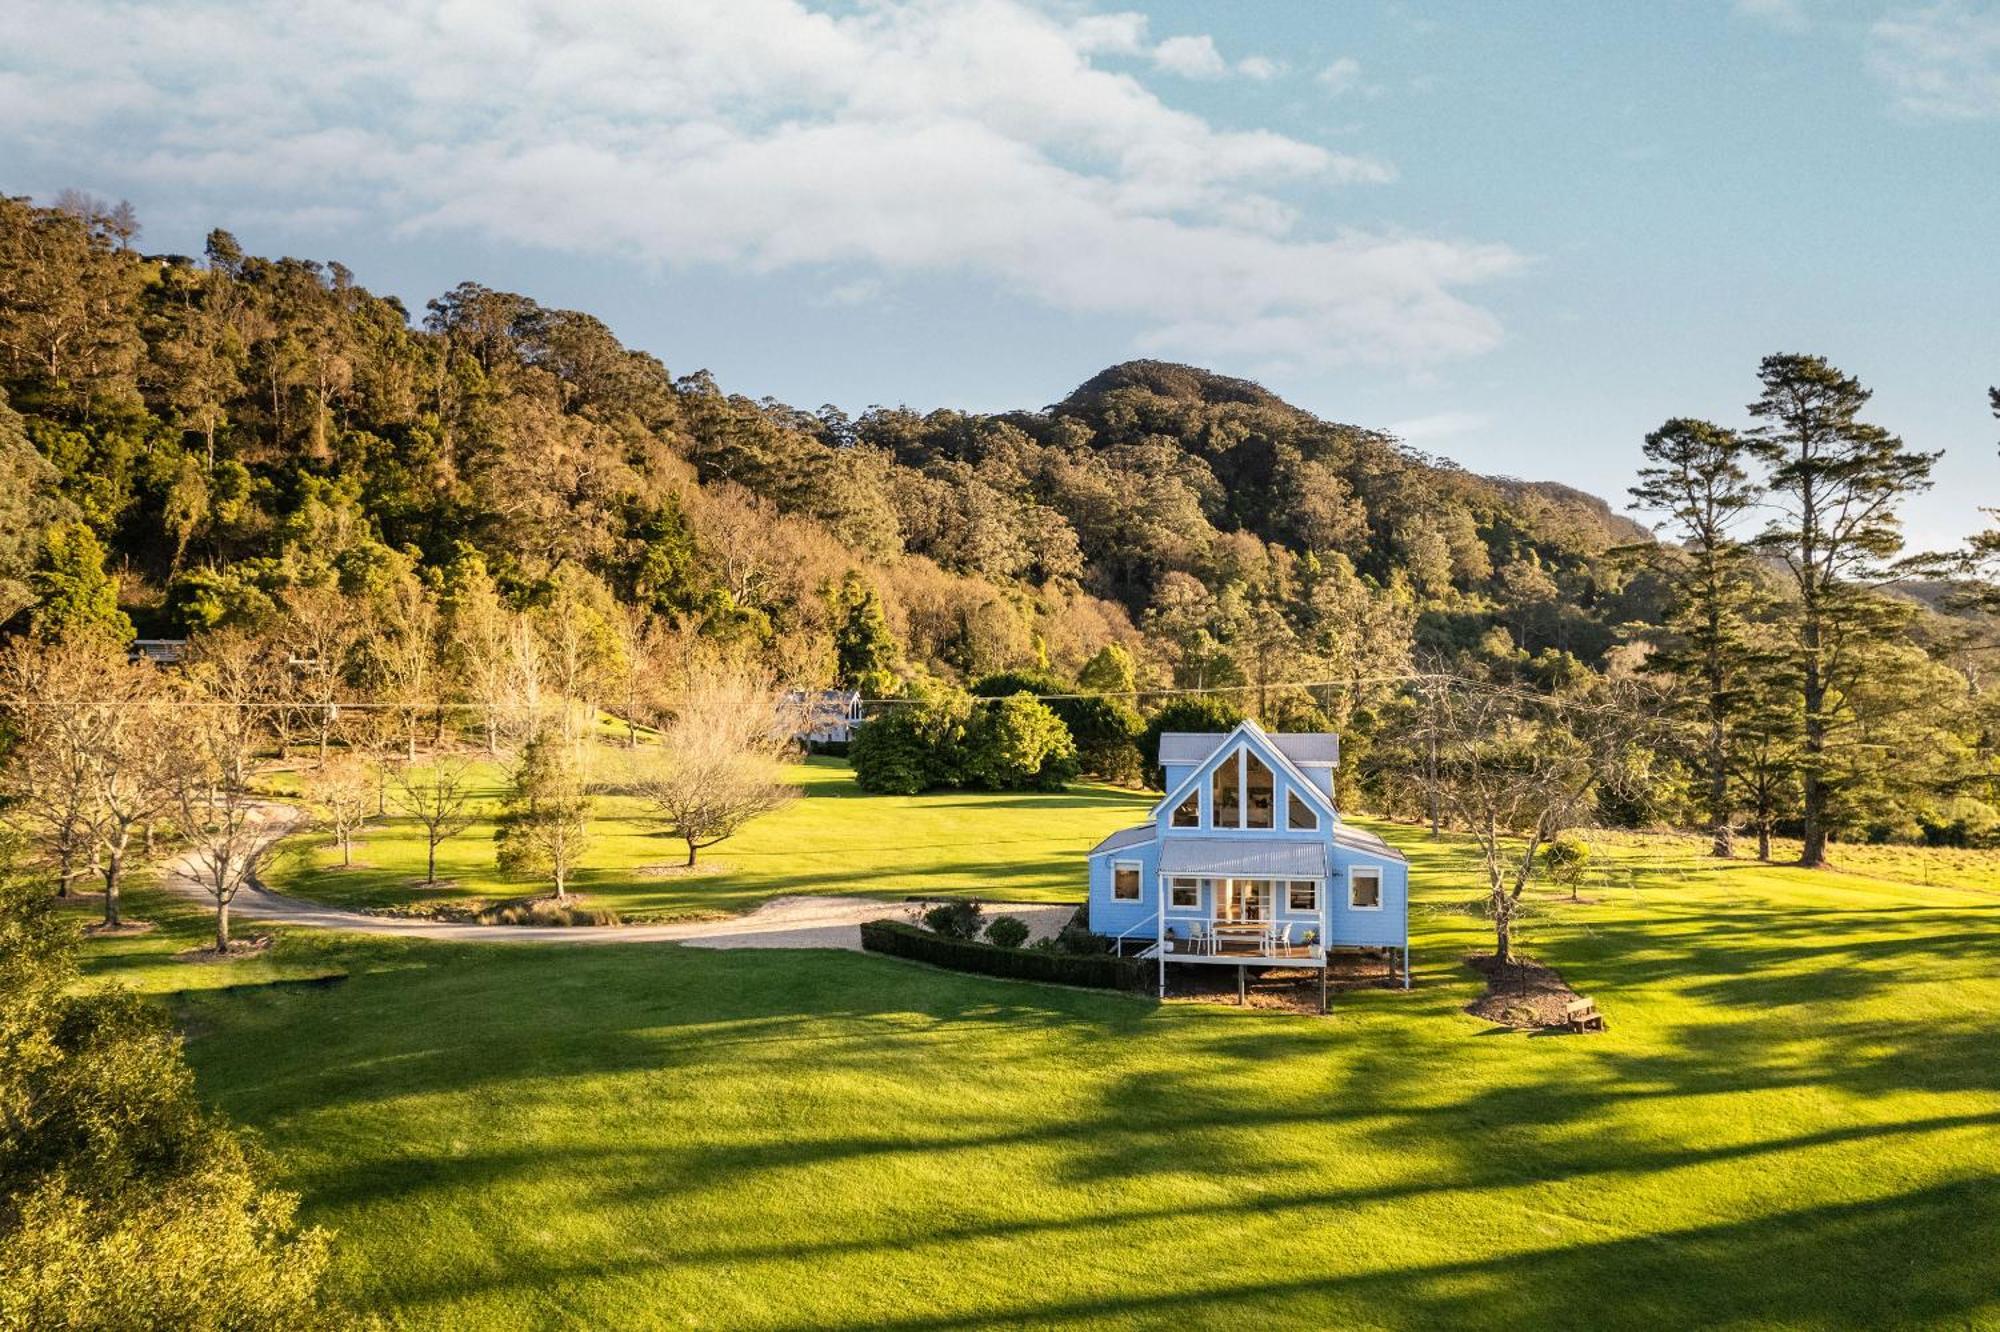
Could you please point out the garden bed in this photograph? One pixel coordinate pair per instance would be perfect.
(1524, 993)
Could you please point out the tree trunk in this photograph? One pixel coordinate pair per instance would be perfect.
(221, 925)
(691, 851)
(346, 849)
(1503, 932)
(1763, 841)
(113, 869)
(1723, 843)
(431, 865)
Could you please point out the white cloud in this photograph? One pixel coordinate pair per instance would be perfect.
(976, 139)
(1785, 15)
(1343, 75)
(1261, 68)
(1442, 425)
(1940, 62)
(1191, 57)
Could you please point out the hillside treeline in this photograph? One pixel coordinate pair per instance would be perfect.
(249, 442)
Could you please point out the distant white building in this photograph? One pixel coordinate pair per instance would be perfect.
(830, 716)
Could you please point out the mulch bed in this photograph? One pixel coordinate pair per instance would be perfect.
(238, 948)
(1523, 994)
(700, 869)
(124, 929)
(1283, 989)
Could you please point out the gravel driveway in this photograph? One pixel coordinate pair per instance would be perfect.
(782, 922)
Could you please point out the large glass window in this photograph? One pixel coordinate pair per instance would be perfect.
(1260, 790)
(1185, 893)
(1226, 799)
(1364, 889)
(1187, 814)
(1298, 814)
(1125, 883)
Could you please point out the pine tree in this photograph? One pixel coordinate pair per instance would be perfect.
(1837, 481)
(1697, 479)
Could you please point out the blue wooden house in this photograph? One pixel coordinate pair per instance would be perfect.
(1246, 862)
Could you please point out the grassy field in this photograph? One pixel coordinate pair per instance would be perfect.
(1793, 1121)
(1024, 847)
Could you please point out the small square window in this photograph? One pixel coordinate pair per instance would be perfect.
(1364, 889)
(1303, 895)
(1125, 883)
(1185, 893)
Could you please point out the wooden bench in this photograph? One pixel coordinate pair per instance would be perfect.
(1583, 1015)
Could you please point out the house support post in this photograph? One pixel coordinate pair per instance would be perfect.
(1322, 984)
(1406, 966)
(1242, 987)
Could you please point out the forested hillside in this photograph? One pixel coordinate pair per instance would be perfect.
(232, 426)
(239, 439)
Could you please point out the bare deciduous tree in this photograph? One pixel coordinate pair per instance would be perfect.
(213, 752)
(437, 795)
(341, 793)
(47, 783)
(545, 824)
(718, 762)
(1517, 769)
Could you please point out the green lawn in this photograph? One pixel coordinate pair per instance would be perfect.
(1013, 847)
(1793, 1121)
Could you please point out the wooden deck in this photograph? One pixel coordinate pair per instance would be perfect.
(1236, 955)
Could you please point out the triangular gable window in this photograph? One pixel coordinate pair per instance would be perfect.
(1226, 798)
(1188, 813)
(1298, 814)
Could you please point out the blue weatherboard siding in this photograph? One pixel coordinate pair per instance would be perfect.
(1344, 850)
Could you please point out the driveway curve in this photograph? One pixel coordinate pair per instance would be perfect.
(782, 922)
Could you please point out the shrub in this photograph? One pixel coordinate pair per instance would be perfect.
(1017, 744)
(1567, 861)
(1007, 932)
(546, 911)
(1100, 729)
(911, 747)
(1098, 972)
(954, 920)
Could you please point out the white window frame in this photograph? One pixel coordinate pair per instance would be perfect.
(1364, 870)
(1311, 884)
(1139, 878)
(1175, 884)
(1173, 815)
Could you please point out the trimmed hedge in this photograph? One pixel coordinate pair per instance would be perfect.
(1100, 971)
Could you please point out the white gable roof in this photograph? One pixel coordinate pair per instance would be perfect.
(1248, 730)
(1306, 749)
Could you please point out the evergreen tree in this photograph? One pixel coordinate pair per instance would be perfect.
(865, 651)
(1695, 476)
(73, 594)
(1837, 481)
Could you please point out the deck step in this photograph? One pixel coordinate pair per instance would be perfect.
(1150, 951)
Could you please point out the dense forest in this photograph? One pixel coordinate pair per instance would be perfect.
(231, 440)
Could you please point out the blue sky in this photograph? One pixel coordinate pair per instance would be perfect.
(1520, 235)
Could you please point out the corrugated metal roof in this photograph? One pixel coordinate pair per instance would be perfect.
(1360, 839)
(1309, 749)
(1243, 857)
(1125, 837)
